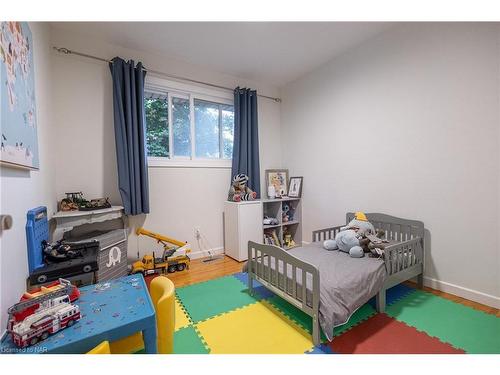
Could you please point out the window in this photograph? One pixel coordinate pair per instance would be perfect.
(227, 125)
(214, 129)
(156, 108)
(187, 128)
(181, 127)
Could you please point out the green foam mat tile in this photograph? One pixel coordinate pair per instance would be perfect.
(187, 341)
(304, 320)
(456, 324)
(207, 299)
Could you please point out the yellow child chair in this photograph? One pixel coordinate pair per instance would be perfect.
(162, 292)
(102, 348)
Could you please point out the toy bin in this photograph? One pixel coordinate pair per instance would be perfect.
(112, 257)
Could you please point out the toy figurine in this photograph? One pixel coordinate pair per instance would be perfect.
(288, 241)
(239, 191)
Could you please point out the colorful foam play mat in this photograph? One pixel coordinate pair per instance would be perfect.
(219, 316)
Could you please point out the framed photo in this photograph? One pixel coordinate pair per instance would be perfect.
(295, 187)
(279, 179)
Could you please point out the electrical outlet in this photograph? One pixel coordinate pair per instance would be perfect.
(197, 233)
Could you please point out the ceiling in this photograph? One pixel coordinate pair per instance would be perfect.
(272, 52)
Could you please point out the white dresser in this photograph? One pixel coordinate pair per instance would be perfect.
(242, 223)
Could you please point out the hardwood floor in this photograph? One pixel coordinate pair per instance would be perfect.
(200, 271)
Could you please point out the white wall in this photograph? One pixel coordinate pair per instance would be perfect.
(408, 124)
(22, 190)
(180, 198)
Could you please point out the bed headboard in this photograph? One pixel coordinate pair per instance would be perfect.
(395, 228)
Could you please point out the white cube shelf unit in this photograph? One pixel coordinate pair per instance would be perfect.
(275, 208)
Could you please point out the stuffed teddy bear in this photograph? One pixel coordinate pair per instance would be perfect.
(354, 238)
(239, 191)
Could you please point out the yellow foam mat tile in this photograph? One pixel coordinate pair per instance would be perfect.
(254, 329)
(181, 318)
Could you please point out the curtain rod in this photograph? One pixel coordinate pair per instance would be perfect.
(67, 51)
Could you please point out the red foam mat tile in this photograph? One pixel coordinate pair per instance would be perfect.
(382, 334)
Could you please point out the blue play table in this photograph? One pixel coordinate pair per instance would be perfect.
(110, 311)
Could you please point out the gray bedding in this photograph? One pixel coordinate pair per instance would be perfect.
(345, 283)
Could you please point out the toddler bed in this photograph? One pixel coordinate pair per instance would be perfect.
(336, 285)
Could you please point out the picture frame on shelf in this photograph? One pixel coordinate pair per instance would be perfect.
(278, 178)
(295, 187)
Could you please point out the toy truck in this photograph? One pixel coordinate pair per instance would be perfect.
(35, 319)
(167, 263)
(73, 291)
(63, 286)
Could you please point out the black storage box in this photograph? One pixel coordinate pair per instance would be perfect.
(53, 271)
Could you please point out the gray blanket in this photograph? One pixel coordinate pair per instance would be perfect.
(346, 283)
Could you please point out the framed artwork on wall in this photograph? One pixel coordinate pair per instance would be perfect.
(277, 178)
(17, 97)
(295, 187)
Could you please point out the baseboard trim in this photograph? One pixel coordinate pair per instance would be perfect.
(205, 254)
(470, 294)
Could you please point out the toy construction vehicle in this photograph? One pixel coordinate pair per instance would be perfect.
(76, 202)
(72, 201)
(167, 262)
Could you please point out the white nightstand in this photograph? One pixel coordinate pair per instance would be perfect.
(242, 223)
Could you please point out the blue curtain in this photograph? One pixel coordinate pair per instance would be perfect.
(246, 137)
(130, 135)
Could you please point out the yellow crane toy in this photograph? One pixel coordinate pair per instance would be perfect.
(167, 263)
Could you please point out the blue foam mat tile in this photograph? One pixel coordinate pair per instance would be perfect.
(394, 294)
(321, 349)
(243, 277)
(260, 290)
(263, 292)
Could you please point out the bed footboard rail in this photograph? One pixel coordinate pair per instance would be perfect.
(286, 276)
(325, 234)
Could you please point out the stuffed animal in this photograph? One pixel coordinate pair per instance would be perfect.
(288, 212)
(239, 191)
(374, 243)
(285, 216)
(354, 238)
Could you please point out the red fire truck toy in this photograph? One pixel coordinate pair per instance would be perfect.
(52, 287)
(71, 290)
(34, 319)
